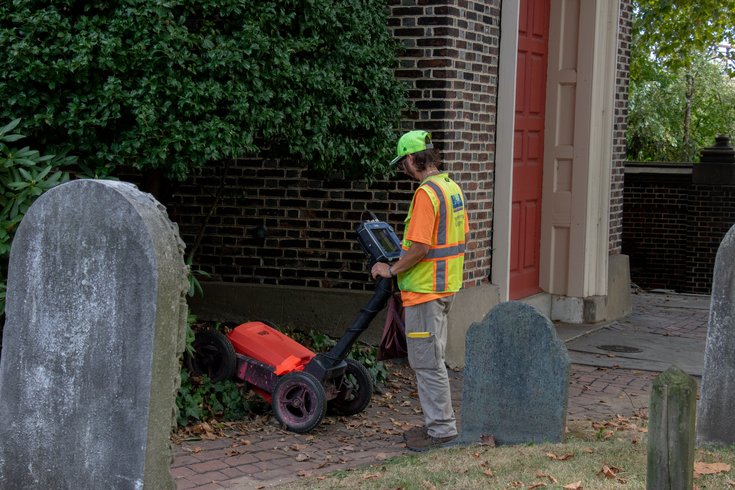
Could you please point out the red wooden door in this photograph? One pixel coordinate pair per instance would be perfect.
(528, 148)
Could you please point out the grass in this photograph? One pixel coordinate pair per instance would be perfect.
(594, 456)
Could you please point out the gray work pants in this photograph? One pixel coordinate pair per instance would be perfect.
(426, 339)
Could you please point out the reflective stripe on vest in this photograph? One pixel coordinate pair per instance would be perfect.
(441, 269)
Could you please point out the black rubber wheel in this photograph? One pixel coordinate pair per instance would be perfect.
(214, 356)
(355, 389)
(299, 401)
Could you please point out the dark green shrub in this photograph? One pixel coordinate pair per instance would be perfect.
(172, 85)
(365, 354)
(25, 174)
(199, 399)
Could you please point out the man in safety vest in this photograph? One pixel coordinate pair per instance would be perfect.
(429, 273)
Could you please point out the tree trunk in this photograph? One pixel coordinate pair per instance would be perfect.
(689, 98)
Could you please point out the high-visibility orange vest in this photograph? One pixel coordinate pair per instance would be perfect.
(440, 271)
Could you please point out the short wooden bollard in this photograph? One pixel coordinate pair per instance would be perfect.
(671, 440)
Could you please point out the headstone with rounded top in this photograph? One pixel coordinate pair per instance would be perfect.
(515, 378)
(715, 423)
(96, 314)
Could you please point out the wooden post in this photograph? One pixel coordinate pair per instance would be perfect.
(671, 438)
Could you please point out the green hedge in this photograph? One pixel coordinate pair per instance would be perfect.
(174, 85)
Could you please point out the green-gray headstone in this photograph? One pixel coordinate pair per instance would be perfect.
(516, 378)
(95, 324)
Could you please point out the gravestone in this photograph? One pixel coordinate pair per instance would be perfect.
(515, 378)
(715, 424)
(96, 317)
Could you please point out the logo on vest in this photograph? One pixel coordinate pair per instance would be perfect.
(457, 204)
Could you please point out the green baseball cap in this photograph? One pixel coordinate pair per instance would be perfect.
(412, 142)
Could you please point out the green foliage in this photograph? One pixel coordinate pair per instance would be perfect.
(175, 85)
(365, 354)
(25, 174)
(195, 286)
(680, 94)
(199, 399)
(658, 126)
(675, 33)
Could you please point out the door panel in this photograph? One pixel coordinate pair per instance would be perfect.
(528, 148)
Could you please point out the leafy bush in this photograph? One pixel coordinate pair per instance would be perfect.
(365, 354)
(25, 174)
(199, 399)
(172, 86)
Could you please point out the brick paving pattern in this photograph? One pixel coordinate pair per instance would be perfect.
(258, 454)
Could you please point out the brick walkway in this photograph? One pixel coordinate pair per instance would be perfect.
(258, 454)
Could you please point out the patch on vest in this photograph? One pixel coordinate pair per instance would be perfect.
(457, 204)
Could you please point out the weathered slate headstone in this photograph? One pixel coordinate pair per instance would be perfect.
(671, 416)
(516, 378)
(95, 314)
(715, 423)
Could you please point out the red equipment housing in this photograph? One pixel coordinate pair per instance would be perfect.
(264, 353)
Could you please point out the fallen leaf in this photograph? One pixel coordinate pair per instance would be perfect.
(574, 486)
(428, 485)
(516, 483)
(302, 457)
(588, 450)
(536, 485)
(563, 457)
(372, 476)
(541, 474)
(489, 472)
(710, 468)
(487, 440)
(622, 481)
(609, 472)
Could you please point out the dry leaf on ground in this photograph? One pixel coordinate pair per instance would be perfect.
(609, 472)
(487, 440)
(574, 486)
(563, 457)
(710, 468)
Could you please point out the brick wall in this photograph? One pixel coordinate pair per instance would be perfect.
(450, 63)
(673, 227)
(620, 125)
